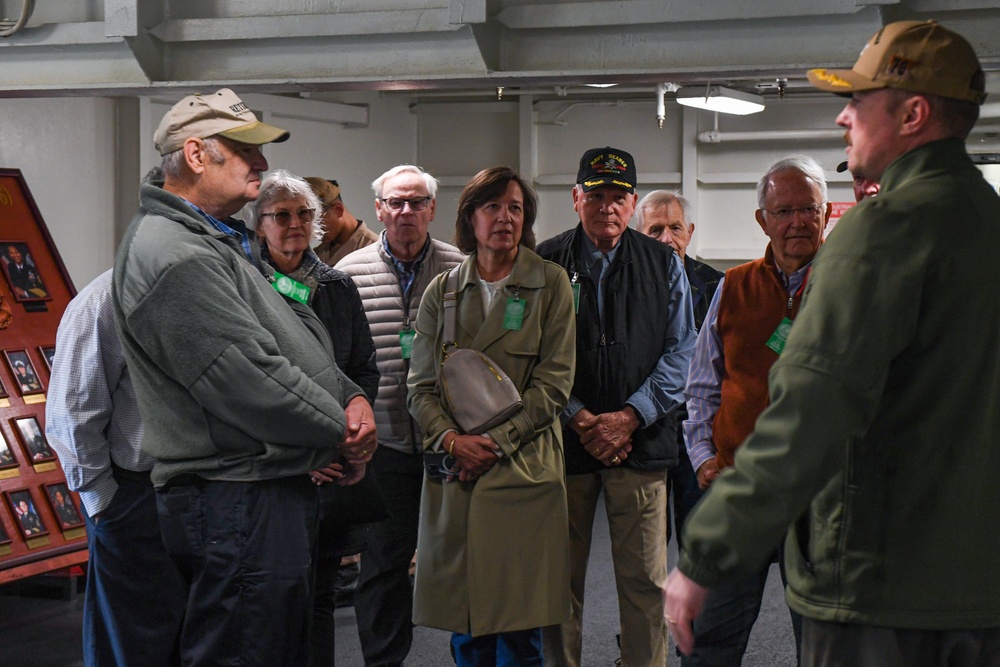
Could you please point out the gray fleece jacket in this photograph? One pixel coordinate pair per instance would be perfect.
(234, 382)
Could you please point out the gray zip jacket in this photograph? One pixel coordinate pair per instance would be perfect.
(234, 382)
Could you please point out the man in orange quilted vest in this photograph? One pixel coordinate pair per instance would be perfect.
(742, 336)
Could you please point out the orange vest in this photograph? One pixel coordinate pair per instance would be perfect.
(754, 301)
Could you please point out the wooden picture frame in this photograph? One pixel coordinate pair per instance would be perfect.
(32, 438)
(47, 353)
(7, 458)
(3, 389)
(4, 537)
(27, 381)
(22, 273)
(66, 513)
(25, 511)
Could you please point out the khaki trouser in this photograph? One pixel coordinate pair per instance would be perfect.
(636, 503)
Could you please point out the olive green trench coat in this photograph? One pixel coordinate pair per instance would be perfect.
(493, 555)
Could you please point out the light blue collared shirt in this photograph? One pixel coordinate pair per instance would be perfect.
(708, 365)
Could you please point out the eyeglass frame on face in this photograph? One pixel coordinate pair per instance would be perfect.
(282, 218)
(811, 213)
(397, 204)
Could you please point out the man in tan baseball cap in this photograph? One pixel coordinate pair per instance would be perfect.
(239, 396)
(211, 152)
(877, 455)
(905, 61)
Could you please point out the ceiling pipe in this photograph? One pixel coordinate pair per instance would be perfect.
(661, 105)
(8, 28)
(716, 137)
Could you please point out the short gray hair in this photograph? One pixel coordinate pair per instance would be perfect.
(801, 163)
(172, 162)
(430, 182)
(660, 198)
(282, 184)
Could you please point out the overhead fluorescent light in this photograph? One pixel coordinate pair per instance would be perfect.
(720, 98)
(600, 85)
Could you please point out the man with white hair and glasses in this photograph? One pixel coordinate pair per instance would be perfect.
(742, 336)
(391, 275)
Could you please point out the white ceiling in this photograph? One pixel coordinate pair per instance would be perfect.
(143, 47)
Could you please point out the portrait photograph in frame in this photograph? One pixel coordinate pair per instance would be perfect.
(21, 271)
(26, 378)
(23, 508)
(7, 458)
(48, 353)
(33, 438)
(63, 508)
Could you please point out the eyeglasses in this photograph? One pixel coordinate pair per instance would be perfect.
(397, 203)
(284, 217)
(808, 212)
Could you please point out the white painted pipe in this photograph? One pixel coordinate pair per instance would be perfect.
(715, 137)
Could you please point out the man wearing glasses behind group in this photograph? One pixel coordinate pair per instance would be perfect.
(391, 275)
(742, 336)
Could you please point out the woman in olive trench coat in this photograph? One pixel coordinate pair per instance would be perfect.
(493, 551)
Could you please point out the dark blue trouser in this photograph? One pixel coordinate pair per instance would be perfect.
(383, 602)
(245, 549)
(522, 648)
(722, 630)
(134, 603)
(682, 488)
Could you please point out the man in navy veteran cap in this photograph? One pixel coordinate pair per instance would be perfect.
(635, 333)
(878, 455)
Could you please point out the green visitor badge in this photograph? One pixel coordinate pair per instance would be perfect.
(291, 288)
(406, 342)
(513, 315)
(576, 298)
(777, 340)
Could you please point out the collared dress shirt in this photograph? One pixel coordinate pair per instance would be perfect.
(91, 416)
(704, 385)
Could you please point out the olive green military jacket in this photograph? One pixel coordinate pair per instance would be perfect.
(883, 431)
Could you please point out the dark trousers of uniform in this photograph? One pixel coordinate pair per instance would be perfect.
(134, 603)
(244, 549)
(826, 644)
(383, 602)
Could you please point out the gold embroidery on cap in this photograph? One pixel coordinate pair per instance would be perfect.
(830, 78)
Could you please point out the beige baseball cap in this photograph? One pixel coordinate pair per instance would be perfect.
(919, 56)
(203, 116)
(328, 191)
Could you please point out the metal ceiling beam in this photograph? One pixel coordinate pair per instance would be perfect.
(640, 12)
(140, 47)
(130, 19)
(306, 25)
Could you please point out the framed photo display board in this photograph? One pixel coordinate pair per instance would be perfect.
(41, 520)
